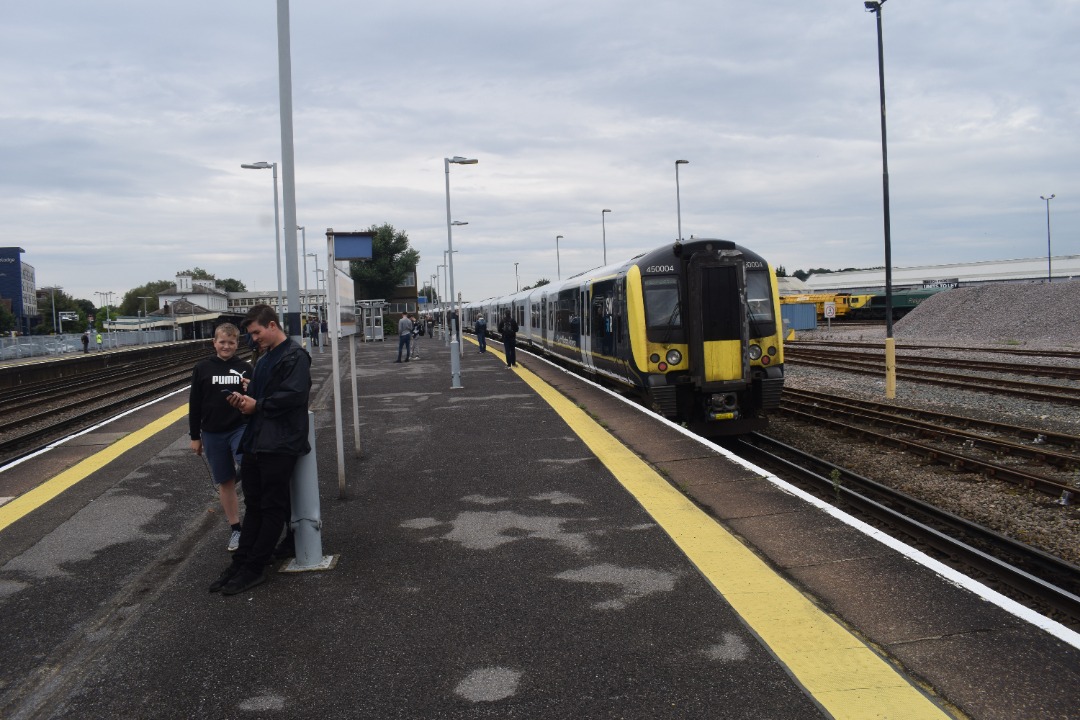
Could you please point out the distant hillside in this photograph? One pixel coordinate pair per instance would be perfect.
(1048, 314)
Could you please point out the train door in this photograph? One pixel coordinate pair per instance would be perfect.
(717, 318)
(584, 327)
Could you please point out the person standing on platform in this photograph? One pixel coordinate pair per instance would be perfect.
(481, 332)
(276, 404)
(98, 338)
(215, 425)
(86, 342)
(404, 329)
(508, 329)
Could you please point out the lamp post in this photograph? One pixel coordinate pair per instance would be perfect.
(440, 282)
(455, 358)
(446, 279)
(874, 6)
(603, 227)
(678, 200)
(517, 281)
(52, 297)
(303, 250)
(277, 224)
(318, 306)
(558, 264)
(144, 298)
(105, 296)
(1049, 273)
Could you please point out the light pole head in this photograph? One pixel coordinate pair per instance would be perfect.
(459, 222)
(682, 162)
(873, 5)
(604, 211)
(257, 166)
(558, 237)
(1048, 199)
(458, 160)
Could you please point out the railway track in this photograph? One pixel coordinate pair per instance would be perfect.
(1048, 582)
(61, 412)
(875, 365)
(1018, 351)
(865, 420)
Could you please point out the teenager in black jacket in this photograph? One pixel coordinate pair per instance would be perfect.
(215, 426)
(276, 404)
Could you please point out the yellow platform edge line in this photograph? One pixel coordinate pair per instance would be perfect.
(54, 486)
(837, 669)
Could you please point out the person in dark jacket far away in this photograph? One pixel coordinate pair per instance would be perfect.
(276, 403)
(481, 332)
(508, 329)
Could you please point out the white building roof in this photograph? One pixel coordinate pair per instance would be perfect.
(1065, 267)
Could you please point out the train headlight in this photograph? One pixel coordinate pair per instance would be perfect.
(674, 357)
(755, 352)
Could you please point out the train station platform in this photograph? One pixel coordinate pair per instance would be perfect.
(500, 553)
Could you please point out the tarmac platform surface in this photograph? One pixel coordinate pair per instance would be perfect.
(492, 561)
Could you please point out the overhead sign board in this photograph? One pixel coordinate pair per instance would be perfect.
(353, 245)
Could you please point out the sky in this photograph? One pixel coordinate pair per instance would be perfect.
(123, 125)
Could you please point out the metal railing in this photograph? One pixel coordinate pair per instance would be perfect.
(28, 346)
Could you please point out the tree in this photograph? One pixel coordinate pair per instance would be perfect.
(131, 305)
(391, 260)
(781, 271)
(7, 319)
(232, 285)
(539, 283)
(197, 274)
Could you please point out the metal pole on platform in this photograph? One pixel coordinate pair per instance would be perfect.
(334, 316)
(874, 6)
(306, 518)
(1049, 265)
(455, 355)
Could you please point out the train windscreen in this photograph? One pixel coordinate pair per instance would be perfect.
(661, 302)
(759, 304)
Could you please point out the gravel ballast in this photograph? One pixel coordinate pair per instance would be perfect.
(988, 316)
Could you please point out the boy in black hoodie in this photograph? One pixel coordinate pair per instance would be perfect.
(216, 426)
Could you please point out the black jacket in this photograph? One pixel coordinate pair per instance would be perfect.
(280, 421)
(508, 329)
(207, 409)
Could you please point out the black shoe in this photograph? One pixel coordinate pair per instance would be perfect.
(397, 361)
(243, 581)
(285, 550)
(226, 575)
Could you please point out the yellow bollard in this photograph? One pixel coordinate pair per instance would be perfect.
(890, 368)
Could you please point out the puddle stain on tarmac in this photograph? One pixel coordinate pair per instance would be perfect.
(733, 648)
(262, 703)
(489, 684)
(476, 530)
(99, 525)
(634, 583)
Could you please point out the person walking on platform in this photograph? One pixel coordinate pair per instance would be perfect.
(215, 425)
(481, 332)
(276, 403)
(508, 329)
(404, 329)
(417, 332)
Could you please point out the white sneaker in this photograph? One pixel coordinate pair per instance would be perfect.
(234, 540)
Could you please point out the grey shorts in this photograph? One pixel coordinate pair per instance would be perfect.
(222, 450)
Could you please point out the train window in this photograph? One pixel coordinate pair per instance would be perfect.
(661, 302)
(759, 302)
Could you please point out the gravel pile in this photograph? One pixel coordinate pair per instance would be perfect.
(1011, 313)
(1026, 515)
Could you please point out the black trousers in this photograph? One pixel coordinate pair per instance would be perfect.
(266, 479)
(510, 348)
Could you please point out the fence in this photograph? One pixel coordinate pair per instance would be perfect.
(12, 348)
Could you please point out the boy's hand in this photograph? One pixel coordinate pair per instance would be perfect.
(243, 403)
(196, 446)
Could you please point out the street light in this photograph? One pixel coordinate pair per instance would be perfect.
(303, 246)
(277, 225)
(455, 357)
(318, 306)
(144, 298)
(446, 279)
(874, 6)
(603, 226)
(558, 265)
(442, 296)
(517, 282)
(678, 201)
(1049, 274)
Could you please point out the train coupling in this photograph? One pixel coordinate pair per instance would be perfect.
(722, 406)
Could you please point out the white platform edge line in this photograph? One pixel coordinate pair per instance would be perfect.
(61, 441)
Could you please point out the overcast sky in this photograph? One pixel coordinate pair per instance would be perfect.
(123, 125)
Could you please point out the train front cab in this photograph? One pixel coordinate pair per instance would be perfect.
(711, 347)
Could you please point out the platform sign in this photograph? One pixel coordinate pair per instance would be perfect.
(830, 310)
